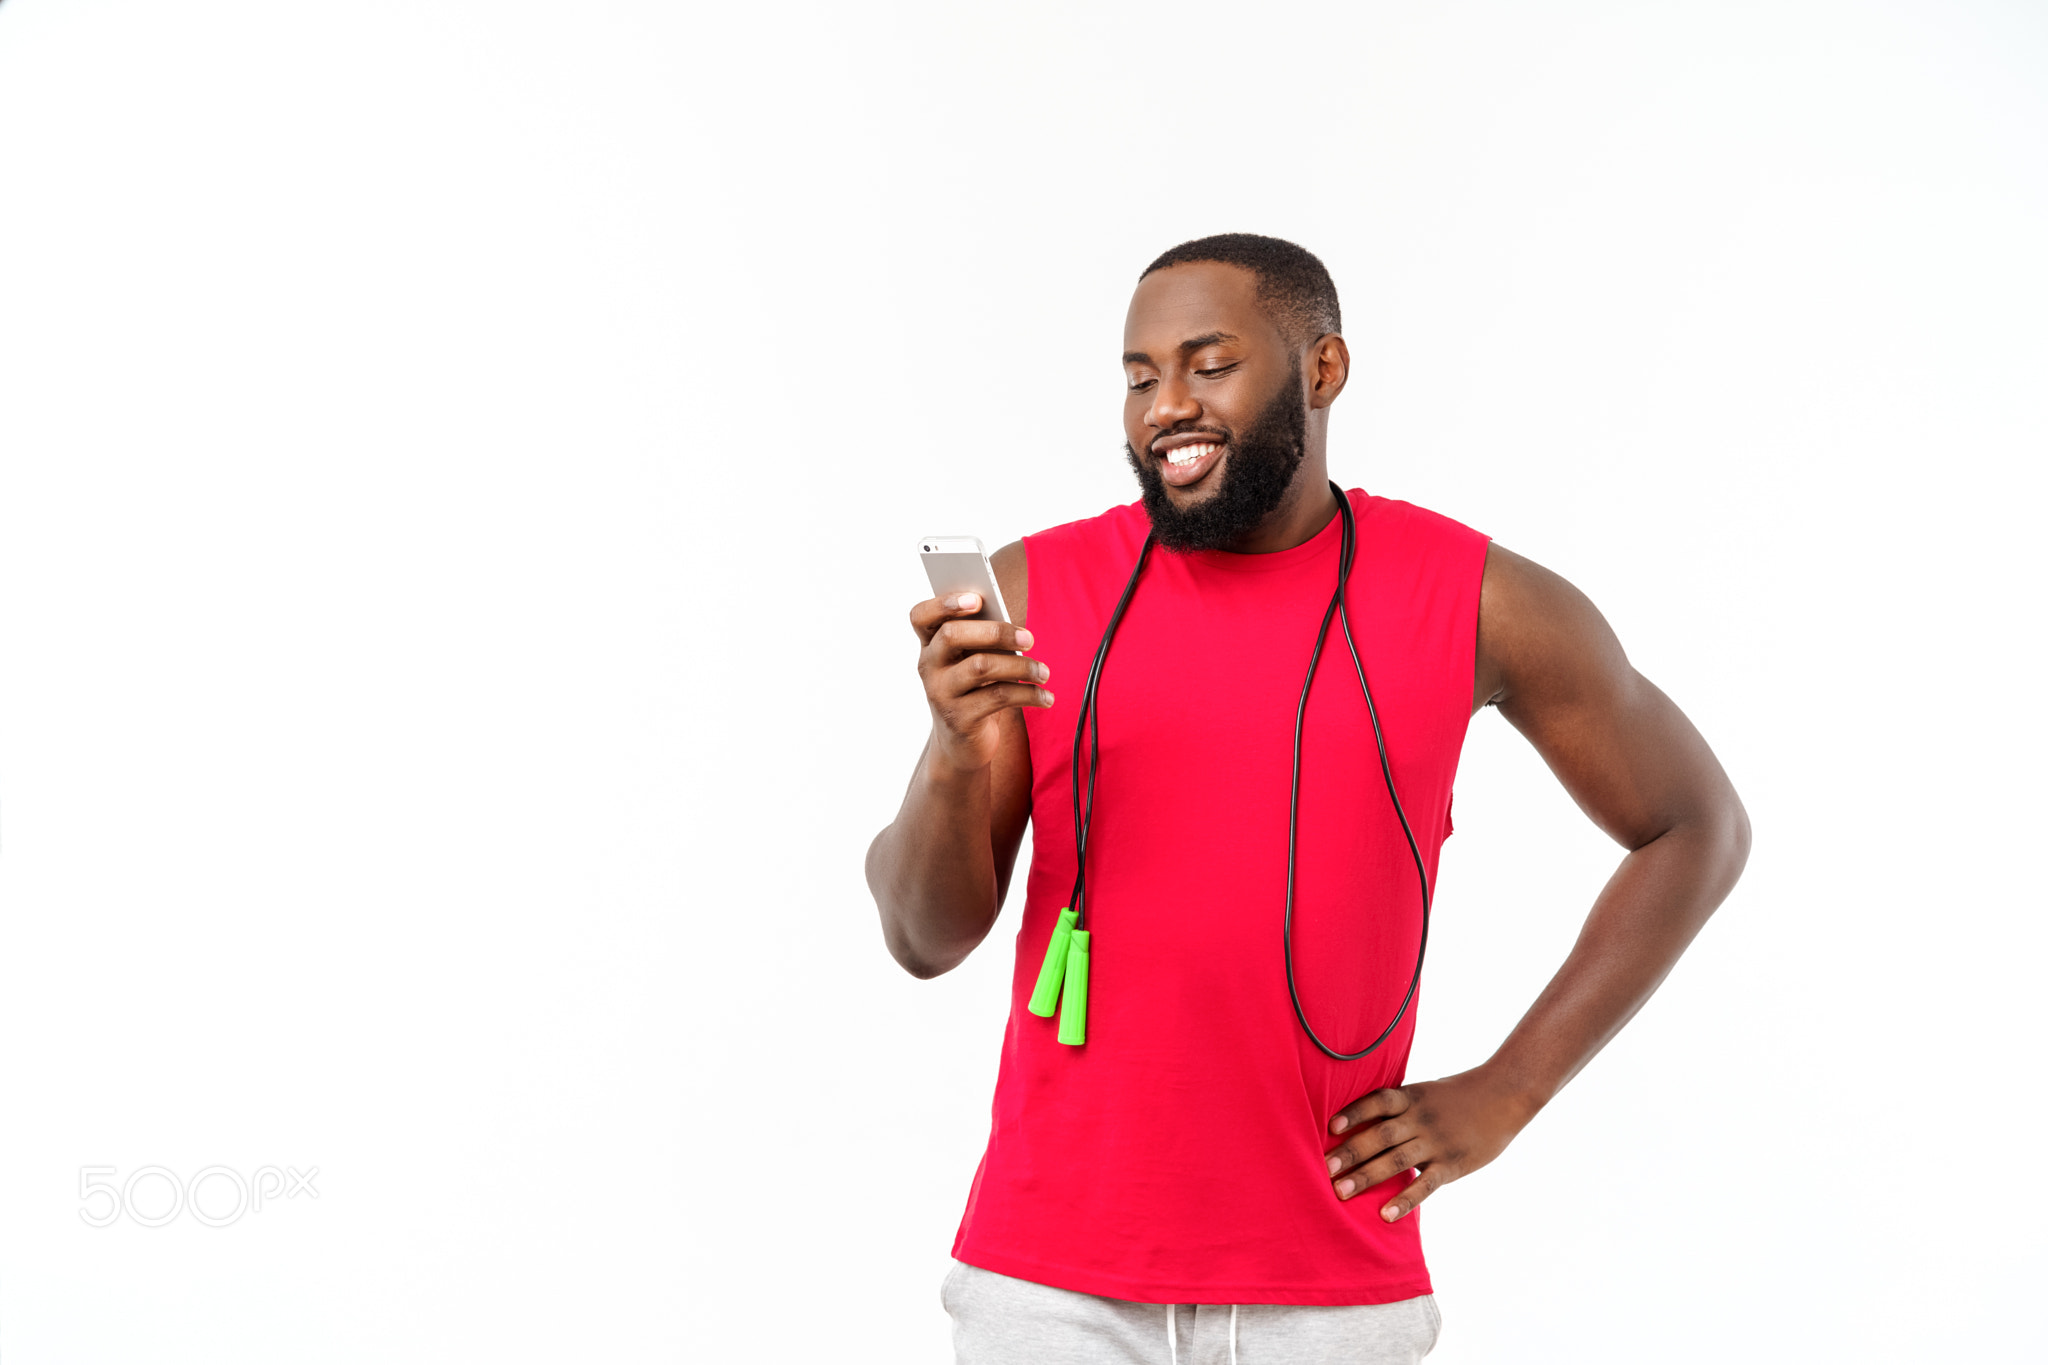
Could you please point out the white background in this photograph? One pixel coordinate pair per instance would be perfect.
(462, 464)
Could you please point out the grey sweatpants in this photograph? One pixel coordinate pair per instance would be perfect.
(998, 1320)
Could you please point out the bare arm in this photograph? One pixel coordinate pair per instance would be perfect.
(1641, 772)
(941, 869)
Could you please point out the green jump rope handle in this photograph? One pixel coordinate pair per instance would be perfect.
(1053, 970)
(1074, 1008)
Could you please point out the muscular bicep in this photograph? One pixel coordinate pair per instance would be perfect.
(1010, 808)
(1551, 664)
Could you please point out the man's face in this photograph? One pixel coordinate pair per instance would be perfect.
(1215, 418)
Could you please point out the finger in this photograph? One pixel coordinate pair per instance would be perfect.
(1425, 1183)
(933, 610)
(928, 615)
(954, 638)
(964, 713)
(979, 670)
(1380, 1104)
(1384, 1167)
(1369, 1143)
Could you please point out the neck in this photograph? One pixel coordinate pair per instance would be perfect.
(1306, 509)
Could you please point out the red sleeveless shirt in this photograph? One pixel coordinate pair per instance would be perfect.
(1177, 1156)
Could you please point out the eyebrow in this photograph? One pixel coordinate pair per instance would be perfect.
(1190, 345)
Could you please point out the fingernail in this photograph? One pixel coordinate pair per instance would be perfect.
(1023, 638)
(1336, 1164)
(969, 601)
(1040, 672)
(1339, 1124)
(1345, 1187)
(1391, 1212)
(1048, 697)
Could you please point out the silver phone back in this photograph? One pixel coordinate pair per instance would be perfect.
(953, 568)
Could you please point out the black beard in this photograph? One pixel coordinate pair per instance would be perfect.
(1259, 467)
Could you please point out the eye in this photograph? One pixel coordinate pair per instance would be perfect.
(1142, 385)
(1219, 369)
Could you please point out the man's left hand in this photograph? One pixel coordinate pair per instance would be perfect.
(1441, 1130)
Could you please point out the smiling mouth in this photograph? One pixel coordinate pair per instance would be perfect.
(1188, 462)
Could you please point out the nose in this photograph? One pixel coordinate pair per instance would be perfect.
(1173, 402)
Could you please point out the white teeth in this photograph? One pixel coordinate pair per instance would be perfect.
(1189, 454)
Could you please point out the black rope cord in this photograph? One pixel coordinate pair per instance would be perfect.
(1340, 609)
(1088, 708)
(1084, 817)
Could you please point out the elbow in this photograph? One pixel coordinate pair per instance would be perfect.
(1740, 851)
(926, 939)
(929, 939)
(1708, 846)
(1728, 842)
(898, 935)
(919, 959)
(931, 944)
(923, 968)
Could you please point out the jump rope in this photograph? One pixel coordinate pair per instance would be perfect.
(1063, 976)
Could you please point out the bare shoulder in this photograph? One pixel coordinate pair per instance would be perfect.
(1538, 634)
(1551, 664)
(1013, 577)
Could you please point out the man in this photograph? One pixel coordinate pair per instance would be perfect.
(1218, 1154)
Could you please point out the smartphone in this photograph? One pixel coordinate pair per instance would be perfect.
(957, 564)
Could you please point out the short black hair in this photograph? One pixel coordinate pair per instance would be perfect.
(1293, 285)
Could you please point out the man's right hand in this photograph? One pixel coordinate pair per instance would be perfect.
(941, 868)
(971, 677)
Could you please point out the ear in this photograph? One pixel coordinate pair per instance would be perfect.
(1326, 368)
